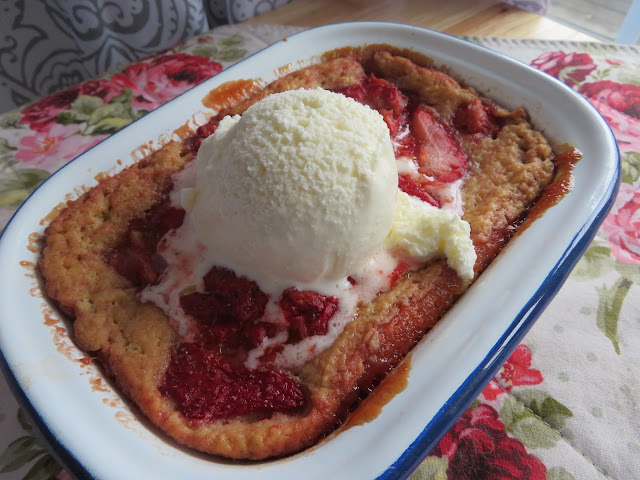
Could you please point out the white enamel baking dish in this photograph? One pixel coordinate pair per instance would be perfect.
(95, 434)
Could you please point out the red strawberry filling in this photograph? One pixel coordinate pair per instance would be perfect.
(392, 104)
(229, 311)
(229, 316)
(400, 270)
(207, 386)
(380, 95)
(439, 153)
(411, 187)
(193, 142)
(418, 133)
(307, 313)
(207, 378)
(233, 306)
(476, 118)
(136, 258)
(240, 297)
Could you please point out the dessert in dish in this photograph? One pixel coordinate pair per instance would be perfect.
(247, 286)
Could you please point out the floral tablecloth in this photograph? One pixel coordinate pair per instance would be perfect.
(566, 405)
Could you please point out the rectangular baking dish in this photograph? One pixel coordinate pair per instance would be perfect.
(96, 435)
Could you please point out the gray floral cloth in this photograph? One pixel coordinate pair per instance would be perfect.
(48, 45)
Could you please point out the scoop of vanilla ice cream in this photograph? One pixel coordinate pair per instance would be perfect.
(302, 187)
(423, 232)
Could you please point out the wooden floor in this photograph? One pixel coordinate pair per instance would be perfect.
(599, 18)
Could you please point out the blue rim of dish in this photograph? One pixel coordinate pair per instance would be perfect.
(469, 390)
(462, 398)
(478, 379)
(62, 454)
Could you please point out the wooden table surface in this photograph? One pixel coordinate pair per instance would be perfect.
(457, 17)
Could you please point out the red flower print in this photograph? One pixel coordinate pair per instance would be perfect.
(622, 226)
(515, 371)
(492, 391)
(103, 89)
(42, 114)
(478, 447)
(570, 68)
(625, 128)
(157, 81)
(619, 104)
(623, 97)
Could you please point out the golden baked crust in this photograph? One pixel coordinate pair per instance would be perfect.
(133, 340)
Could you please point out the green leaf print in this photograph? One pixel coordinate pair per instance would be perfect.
(24, 450)
(630, 75)
(80, 111)
(17, 183)
(66, 117)
(100, 119)
(109, 125)
(232, 41)
(225, 50)
(432, 468)
(125, 97)
(11, 120)
(524, 425)
(629, 271)
(595, 263)
(5, 148)
(45, 468)
(559, 473)
(19, 452)
(108, 120)
(205, 51)
(609, 306)
(24, 421)
(551, 411)
(230, 54)
(85, 106)
(600, 74)
(630, 167)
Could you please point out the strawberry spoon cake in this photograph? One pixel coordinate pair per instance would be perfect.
(247, 286)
